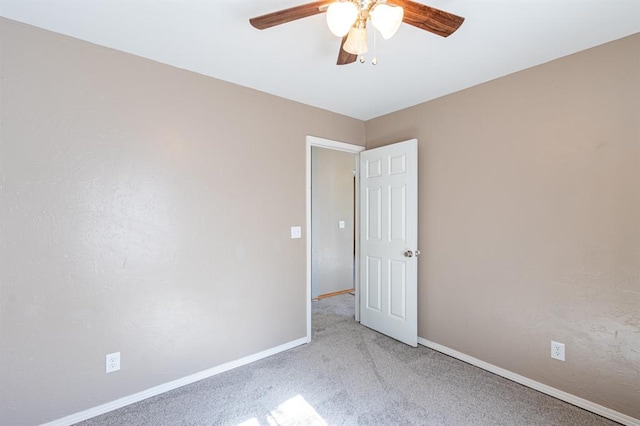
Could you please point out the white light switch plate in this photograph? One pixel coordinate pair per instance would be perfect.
(341, 224)
(296, 232)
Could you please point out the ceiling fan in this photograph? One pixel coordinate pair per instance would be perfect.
(348, 19)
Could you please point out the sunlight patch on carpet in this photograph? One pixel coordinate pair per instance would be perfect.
(251, 422)
(295, 411)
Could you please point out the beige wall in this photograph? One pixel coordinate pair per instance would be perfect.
(143, 209)
(332, 200)
(530, 221)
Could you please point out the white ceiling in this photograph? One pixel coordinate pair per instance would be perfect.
(297, 60)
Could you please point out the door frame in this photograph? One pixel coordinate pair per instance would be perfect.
(345, 147)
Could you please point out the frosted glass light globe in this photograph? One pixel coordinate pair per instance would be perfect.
(356, 43)
(341, 16)
(387, 19)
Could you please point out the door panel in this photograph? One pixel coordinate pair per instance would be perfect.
(373, 286)
(397, 289)
(398, 213)
(389, 194)
(373, 208)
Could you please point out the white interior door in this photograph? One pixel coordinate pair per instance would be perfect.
(389, 238)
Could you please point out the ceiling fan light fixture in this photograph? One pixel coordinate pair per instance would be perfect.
(341, 16)
(386, 19)
(356, 43)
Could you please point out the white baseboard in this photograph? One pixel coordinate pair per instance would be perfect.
(556, 393)
(157, 390)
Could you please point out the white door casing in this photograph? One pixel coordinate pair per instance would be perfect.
(388, 240)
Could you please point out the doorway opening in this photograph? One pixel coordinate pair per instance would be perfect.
(332, 221)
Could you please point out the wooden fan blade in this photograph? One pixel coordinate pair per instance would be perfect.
(429, 18)
(287, 15)
(345, 57)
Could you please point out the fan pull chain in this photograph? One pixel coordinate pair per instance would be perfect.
(374, 61)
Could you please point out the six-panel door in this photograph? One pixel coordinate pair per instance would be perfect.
(388, 220)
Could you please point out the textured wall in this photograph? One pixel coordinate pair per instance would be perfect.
(331, 201)
(143, 209)
(530, 221)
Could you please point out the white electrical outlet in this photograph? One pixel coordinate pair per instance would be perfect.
(557, 350)
(113, 362)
